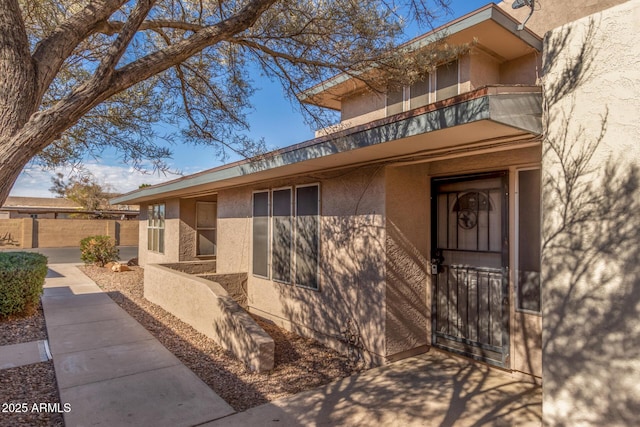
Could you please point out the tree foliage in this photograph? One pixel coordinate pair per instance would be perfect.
(79, 76)
(82, 189)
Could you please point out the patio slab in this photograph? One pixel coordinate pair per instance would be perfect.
(433, 389)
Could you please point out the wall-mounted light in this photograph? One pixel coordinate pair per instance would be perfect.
(517, 4)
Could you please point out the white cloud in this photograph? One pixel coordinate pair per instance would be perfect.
(35, 182)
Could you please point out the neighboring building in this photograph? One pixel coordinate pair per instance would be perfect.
(58, 208)
(491, 210)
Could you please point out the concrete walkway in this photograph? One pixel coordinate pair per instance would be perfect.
(433, 389)
(110, 369)
(114, 373)
(22, 354)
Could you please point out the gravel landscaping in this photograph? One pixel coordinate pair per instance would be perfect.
(300, 363)
(30, 384)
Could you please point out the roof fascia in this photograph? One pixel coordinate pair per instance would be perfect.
(468, 111)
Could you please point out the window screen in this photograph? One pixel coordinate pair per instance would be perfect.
(261, 234)
(447, 80)
(419, 93)
(529, 240)
(282, 236)
(155, 227)
(395, 100)
(206, 217)
(307, 236)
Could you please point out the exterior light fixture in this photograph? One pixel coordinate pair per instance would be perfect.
(517, 4)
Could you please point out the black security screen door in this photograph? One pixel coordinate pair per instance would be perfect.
(470, 309)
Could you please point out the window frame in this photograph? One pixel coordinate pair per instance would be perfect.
(268, 259)
(319, 243)
(155, 230)
(435, 79)
(516, 277)
(291, 235)
(199, 228)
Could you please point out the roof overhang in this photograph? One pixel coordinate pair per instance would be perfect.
(489, 28)
(488, 117)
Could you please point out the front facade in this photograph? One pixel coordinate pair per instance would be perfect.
(418, 221)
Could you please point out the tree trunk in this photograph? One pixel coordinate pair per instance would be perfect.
(17, 93)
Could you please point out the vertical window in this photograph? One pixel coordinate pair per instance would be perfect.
(307, 233)
(282, 235)
(206, 218)
(529, 240)
(447, 80)
(395, 100)
(419, 94)
(261, 234)
(155, 227)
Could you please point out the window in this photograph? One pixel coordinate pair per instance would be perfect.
(307, 235)
(261, 234)
(419, 94)
(282, 235)
(155, 227)
(447, 80)
(528, 234)
(395, 100)
(289, 243)
(206, 217)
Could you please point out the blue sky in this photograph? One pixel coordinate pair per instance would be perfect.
(273, 118)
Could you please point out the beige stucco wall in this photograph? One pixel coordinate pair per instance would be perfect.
(171, 235)
(408, 308)
(208, 308)
(234, 230)
(484, 69)
(591, 262)
(351, 295)
(549, 14)
(525, 70)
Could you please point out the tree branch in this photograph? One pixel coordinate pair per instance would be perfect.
(51, 52)
(166, 58)
(118, 47)
(112, 27)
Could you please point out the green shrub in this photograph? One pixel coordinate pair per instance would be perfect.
(21, 280)
(98, 250)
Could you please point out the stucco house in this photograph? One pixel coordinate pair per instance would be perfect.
(466, 212)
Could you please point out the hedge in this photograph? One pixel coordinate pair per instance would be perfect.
(21, 280)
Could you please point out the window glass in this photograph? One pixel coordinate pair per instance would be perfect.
(206, 218)
(529, 241)
(307, 236)
(155, 227)
(395, 100)
(419, 93)
(447, 80)
(261, 234)
(282, 236)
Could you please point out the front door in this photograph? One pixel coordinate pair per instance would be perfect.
(469, 256)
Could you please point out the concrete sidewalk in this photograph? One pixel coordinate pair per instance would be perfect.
(110, 369)
(433, 389)
(113, 372)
